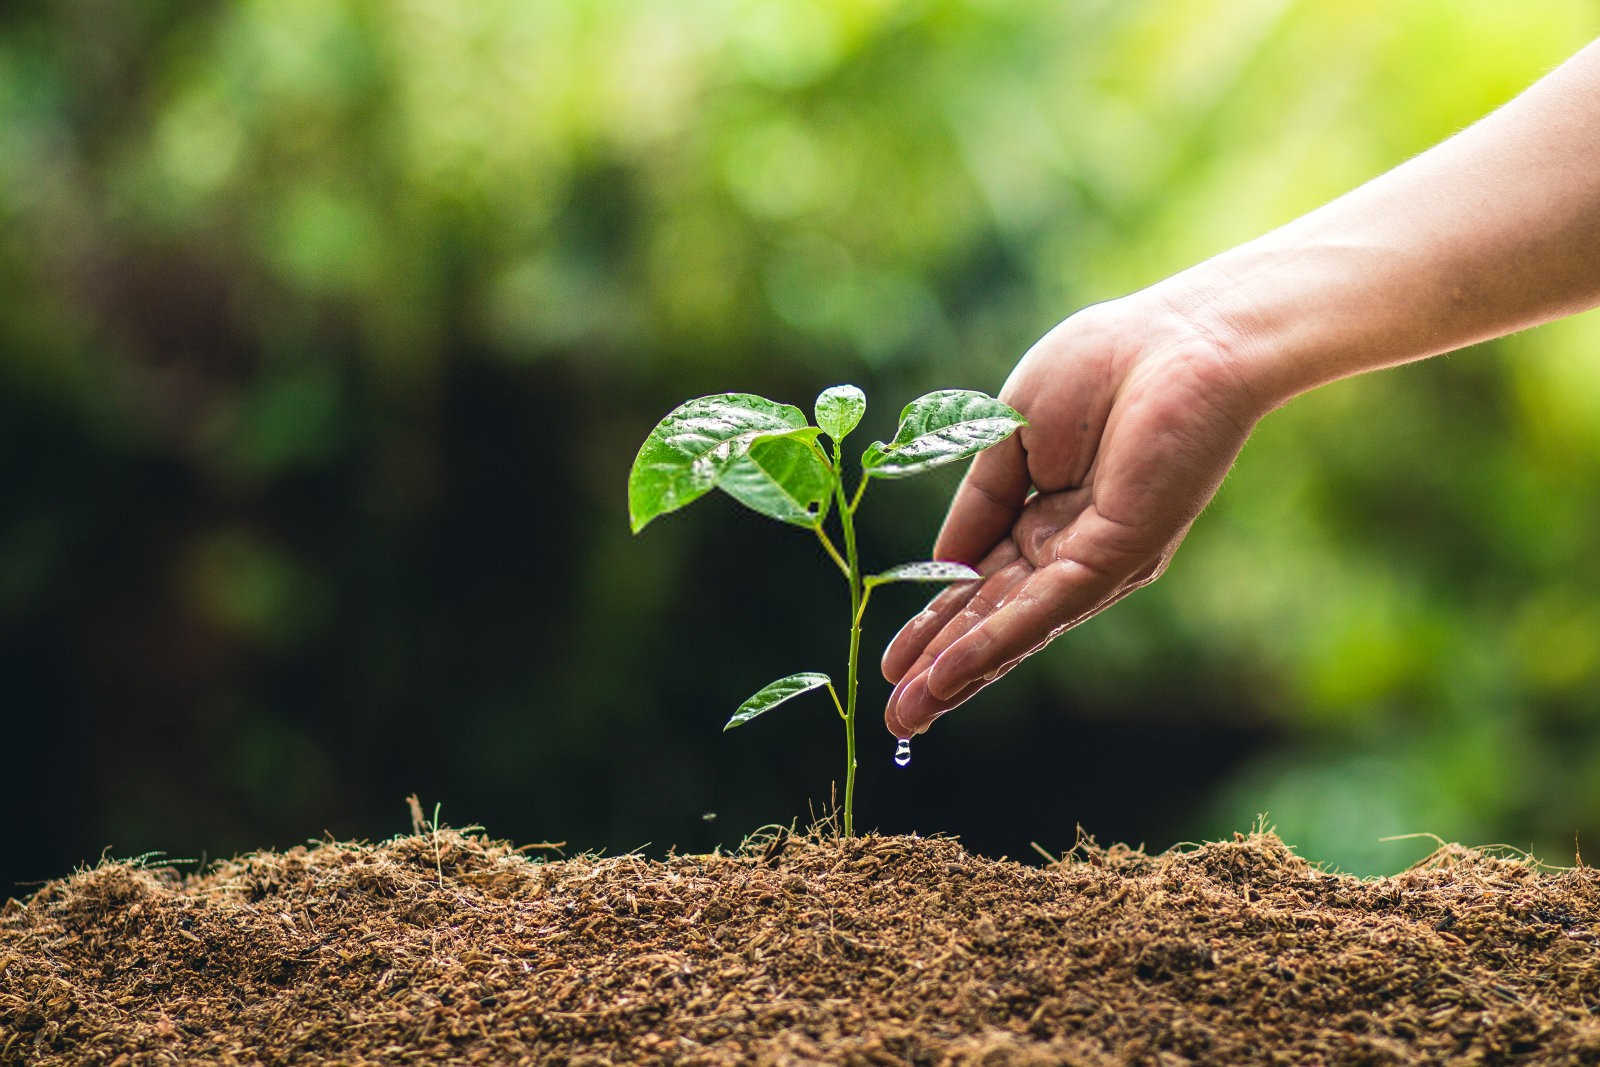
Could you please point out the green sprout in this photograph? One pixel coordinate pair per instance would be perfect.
(768, 458)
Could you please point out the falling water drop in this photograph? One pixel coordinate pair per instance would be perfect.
(902, 752)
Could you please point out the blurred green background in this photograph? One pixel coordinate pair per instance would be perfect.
(328, 331)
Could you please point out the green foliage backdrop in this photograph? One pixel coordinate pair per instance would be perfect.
(286, 289)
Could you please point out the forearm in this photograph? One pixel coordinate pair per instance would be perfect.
(1494, 230)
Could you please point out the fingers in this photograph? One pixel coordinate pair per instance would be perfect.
(918, 712)
(914, 636)
(1044, 591)
(986, 503)
(979, 605)
(1052, 599)
(912, 709)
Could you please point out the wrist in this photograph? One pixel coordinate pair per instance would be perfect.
(1290, 315)
(1204, 305)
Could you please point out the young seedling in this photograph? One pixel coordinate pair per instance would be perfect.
(766, 456)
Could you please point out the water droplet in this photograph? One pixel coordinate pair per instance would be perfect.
(902, 752)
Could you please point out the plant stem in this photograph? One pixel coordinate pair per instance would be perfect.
(857, 602)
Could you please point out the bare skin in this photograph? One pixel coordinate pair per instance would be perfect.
(1138, 407)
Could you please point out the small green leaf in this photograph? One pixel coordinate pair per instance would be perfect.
(783, 478)
(940, 428)
(839, 410)
(775, 693)
(931, 571)
(689, 450)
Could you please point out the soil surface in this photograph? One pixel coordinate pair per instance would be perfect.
(449, 947)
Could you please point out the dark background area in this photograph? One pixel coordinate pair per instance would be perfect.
(328, 333)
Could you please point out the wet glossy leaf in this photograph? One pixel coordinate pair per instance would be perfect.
(695, 444)
(783, 478)
(839, 410)
(775, 693)
(940, 428)
(930, 571)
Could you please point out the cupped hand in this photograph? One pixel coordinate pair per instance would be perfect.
(1135, 413)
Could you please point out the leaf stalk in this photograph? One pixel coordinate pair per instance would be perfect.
(827, 543)
(861, 487)
(834, 693)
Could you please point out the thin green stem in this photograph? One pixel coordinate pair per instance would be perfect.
(857, 605)
(850, 736)
(834, 693)
(861, 609)
(861, 487)
(833, 552)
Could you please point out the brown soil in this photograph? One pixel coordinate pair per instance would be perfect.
(449, 947)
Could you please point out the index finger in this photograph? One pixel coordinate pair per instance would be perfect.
(986, 504)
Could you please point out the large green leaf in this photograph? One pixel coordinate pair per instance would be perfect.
(695, 444)
(940, 428)
(931, 571)
(775, 693)
(839, 410)
(783, 478)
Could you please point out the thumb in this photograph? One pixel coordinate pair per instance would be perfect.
(986, 504)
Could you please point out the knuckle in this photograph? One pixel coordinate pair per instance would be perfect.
(974, 613)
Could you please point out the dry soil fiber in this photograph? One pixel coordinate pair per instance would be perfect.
(455, 948)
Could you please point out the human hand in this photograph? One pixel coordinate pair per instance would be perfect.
(1138, 407)
(1135, 413)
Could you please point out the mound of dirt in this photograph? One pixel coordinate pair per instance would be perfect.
(453, 948)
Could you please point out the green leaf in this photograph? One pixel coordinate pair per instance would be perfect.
(839, 410)
(695, 444)
(783, 478)
(775, 693)
(940, 428)
(931, 571)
